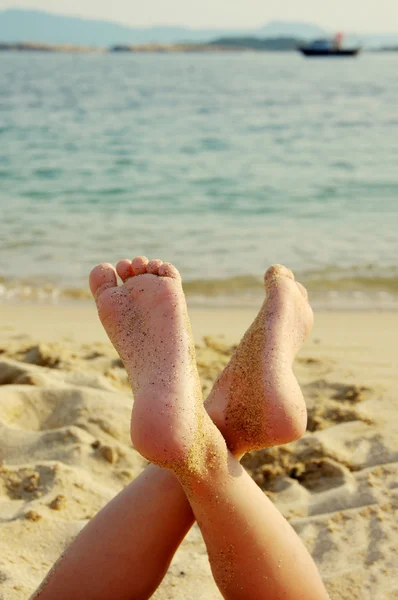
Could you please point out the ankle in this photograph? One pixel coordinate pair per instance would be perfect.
(208, 454)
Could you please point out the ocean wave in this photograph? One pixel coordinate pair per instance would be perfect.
(359, 287)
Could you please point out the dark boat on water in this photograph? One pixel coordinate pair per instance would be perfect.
(315, 52)
(325, 48)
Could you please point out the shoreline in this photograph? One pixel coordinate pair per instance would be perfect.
(150, 48)
(329, 288)
(78, 322)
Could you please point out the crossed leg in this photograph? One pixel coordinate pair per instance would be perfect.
(125, 551)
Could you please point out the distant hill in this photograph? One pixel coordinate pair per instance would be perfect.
(286, 29)
(17, 25)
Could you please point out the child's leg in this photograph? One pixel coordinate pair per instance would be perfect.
(125, 551)
(253, 551)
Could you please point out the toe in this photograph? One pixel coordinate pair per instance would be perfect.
(278, 271)
(139, 265)
(302, 290)
(102, 277)
(124, 269)
(169, 270)
(153, 266)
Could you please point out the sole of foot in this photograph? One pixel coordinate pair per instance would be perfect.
(257, 402)
(146, 320)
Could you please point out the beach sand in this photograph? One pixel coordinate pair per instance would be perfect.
(65, 451)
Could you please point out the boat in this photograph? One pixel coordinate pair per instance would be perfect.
(327, 47)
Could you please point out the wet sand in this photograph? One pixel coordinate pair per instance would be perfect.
(65, 450)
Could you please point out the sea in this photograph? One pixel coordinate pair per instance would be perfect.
(221, 163)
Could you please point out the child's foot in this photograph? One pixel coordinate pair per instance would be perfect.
(146, 320)
(257, 402)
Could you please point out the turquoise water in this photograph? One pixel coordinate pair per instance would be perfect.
(223, 164)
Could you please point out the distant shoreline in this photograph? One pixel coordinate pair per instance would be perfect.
(34, 47)
(219, 46)
(137, 49)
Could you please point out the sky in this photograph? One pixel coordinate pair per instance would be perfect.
(359, 16)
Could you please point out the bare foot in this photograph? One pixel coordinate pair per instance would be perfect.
(257, 402)
(146, 320)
